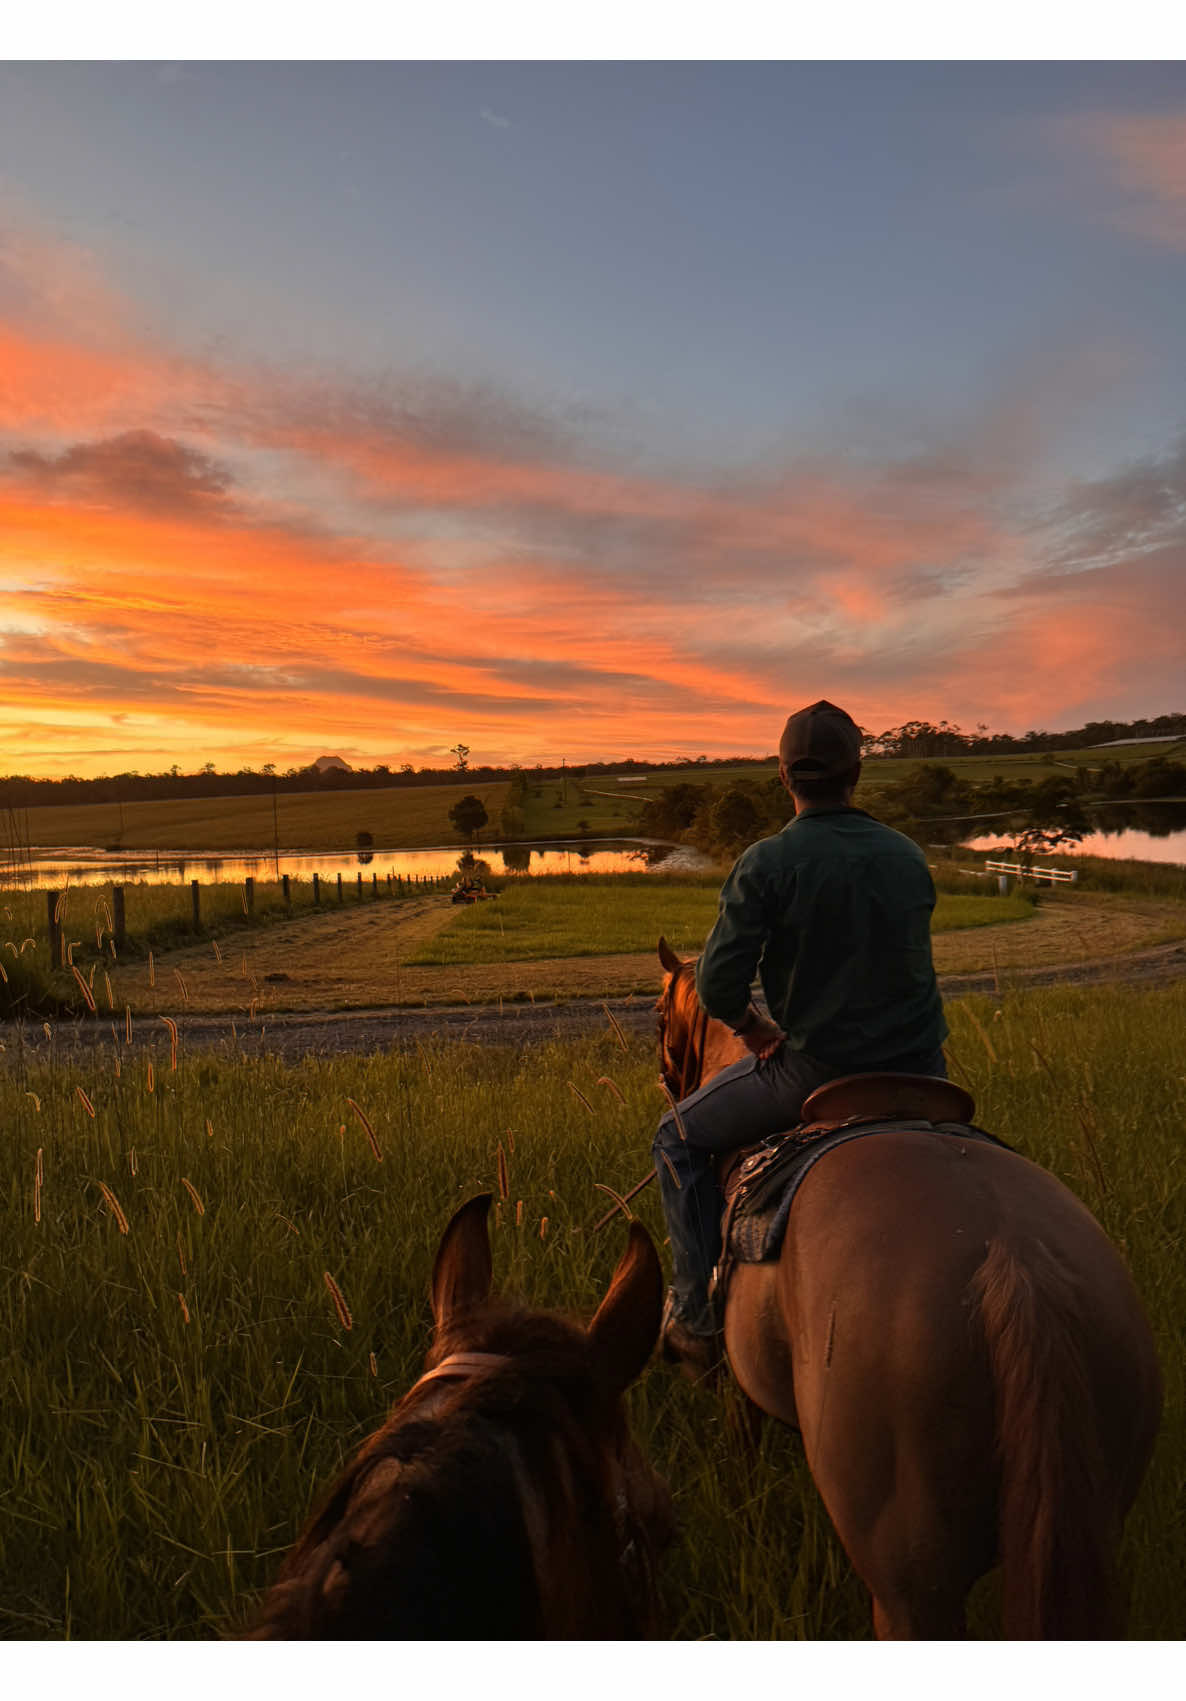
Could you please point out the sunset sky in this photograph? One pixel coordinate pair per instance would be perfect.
(583, 409)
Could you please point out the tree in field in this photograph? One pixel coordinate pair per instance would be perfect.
(468, 815)
(461, 751)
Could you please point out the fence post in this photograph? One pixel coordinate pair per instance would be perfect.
(55, 931)
(1002, 884)
(287, 893)
(195, 892)
(316, 891)
(374, 886)
(360, 886)
(119, 917)
(339, 888)
(249, 893)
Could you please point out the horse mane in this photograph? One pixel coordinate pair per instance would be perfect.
(439, 1527)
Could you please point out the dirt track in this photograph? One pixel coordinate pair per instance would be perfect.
(362, 1032)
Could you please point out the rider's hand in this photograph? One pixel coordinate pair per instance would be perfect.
(760, 1035)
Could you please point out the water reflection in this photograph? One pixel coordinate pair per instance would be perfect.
(83, 866)
(1126, 843)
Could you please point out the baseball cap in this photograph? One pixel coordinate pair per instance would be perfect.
(820, 742)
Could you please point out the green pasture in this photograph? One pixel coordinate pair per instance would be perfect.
(173, 1398)
(397, 816)
(552, 917)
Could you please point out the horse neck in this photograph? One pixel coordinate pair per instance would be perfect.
(721, 1048)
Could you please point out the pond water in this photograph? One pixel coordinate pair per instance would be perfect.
(83, 866)
(1128, 843)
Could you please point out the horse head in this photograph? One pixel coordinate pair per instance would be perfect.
(504, 1496)
(682, 1027)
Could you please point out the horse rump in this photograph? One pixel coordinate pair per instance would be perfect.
(1061, 1502)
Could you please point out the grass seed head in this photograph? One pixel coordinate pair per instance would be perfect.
(85, 1102)
(114, 1206)
(194, 1195)
(335, 1293)
(370, 1132)
(85, 990)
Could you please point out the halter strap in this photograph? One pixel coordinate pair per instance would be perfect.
(462, 1365)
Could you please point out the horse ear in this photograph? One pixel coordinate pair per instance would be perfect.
(668, 957)
(626, 1326)
(463, 1269)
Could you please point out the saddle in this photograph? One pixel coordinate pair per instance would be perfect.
(761, 1181)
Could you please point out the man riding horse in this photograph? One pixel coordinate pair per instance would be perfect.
(835, 913)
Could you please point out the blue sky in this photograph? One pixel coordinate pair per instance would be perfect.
(795, 286)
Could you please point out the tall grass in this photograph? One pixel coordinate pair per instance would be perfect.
(173, 1397)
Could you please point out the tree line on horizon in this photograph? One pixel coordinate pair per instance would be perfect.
(913, 739)
(936, 806)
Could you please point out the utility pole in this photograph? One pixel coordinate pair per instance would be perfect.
(275, 829)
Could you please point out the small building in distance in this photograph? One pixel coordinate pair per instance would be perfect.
(324, 764)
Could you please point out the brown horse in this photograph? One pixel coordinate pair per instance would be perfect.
(503, 1497)
(965, 1356)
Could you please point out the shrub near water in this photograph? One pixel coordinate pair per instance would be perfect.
(173, 1397)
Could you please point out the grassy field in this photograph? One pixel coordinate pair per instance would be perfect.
(403, 816)
(555, 918)
(551, 937)
(174, 1396)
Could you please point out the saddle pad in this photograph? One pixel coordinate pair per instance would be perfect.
(770, 1177)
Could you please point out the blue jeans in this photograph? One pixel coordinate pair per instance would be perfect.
(743, 1104)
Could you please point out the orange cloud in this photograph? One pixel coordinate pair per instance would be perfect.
(1144, 156)
(205, 563)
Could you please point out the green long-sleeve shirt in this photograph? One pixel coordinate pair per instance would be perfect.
(835, 912)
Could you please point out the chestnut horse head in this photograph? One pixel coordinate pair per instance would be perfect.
(965, 1355)
(504, 1497)
(682, 1026)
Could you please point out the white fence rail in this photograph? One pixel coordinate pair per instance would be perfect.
(1021, 872)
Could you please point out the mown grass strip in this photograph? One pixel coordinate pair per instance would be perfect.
(552, 918)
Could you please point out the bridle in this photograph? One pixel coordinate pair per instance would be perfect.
(692, 1063)
(462, 1366)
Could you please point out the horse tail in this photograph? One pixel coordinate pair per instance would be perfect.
(1058, 1526)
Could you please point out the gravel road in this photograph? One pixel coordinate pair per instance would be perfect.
(362, 1032)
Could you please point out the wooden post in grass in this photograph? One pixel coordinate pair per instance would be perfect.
(339, 888)
(55, 931)
(249, 893)
(287, 893)
(195, 892)
(360, 886)
(316, 891)
(119, 917)
(374, 886)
